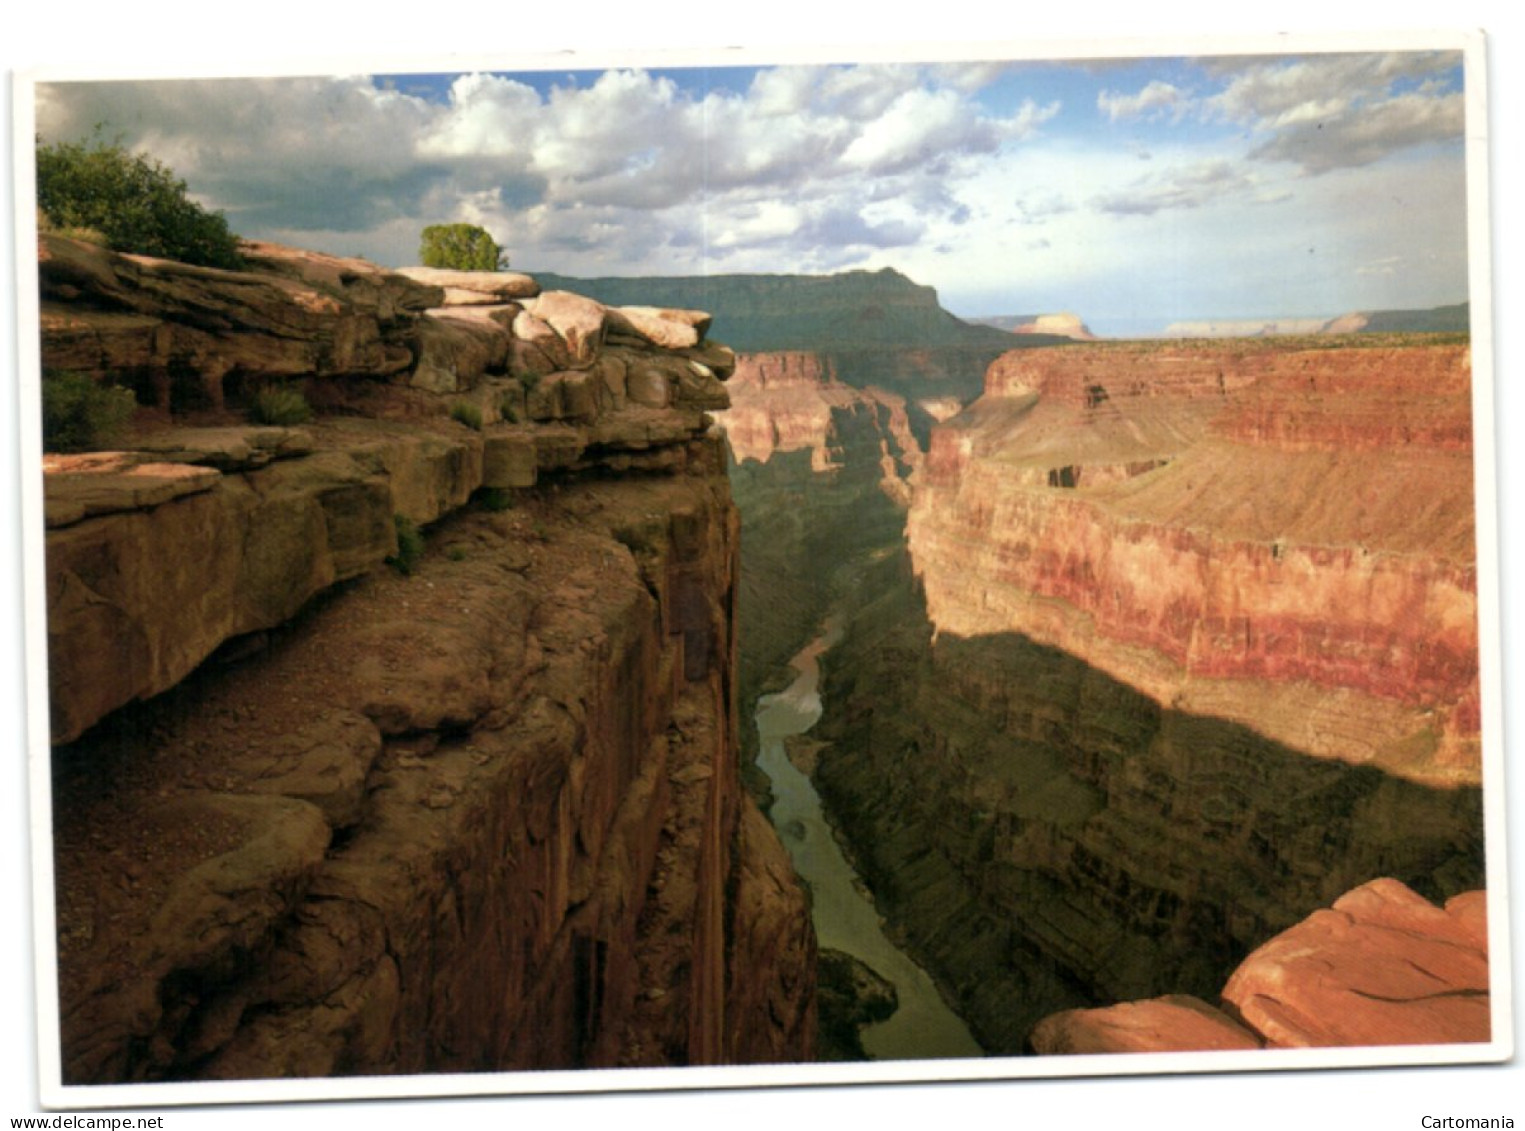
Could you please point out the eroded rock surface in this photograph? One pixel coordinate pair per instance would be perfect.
(1279, 537)
(1382, 966)
(316, 815)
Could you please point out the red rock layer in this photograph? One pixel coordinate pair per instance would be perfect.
(1383, 966)
(1283, 538)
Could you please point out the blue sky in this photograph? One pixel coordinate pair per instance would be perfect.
(1134, 192)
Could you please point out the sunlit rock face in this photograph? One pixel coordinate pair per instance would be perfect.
(1281, 538)
(1382, 966)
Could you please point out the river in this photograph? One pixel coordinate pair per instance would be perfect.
(845, 918)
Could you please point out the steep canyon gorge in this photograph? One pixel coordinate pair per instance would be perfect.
(422, 736)
(1150, 653)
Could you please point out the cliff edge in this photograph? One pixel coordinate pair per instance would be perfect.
(402, 739)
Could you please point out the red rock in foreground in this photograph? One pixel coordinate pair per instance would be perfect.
(1383, 966)
(1174, 1023)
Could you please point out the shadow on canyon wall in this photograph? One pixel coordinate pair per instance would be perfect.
(1044, 837)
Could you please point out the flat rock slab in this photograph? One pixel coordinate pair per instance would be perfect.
(667, 329)
(1383, 966)
(1174, 1023)
(227, 449)
(78, 487)
(472, 287)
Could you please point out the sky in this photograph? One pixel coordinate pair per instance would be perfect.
(1133, 192)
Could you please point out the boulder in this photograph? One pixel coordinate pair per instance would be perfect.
(1174, 1023)
(454, 354)
(718, 359)
(577, 322)
(663, 328)
(1383, 966)
(509, 459)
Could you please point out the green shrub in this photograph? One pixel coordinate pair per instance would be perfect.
(134, 202)
(460, 247)
(280, 405)
(468, 414)
(80, 416)
(496, 498)
(410, 545)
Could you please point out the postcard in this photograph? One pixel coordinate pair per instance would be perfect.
(692, 570)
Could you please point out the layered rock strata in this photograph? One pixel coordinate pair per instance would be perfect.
(479, 812)
(1281, 538)
(1183, 647)
(1382, 966)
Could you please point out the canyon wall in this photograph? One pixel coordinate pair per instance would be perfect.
(1282, 538)
(403, 739)
(1183, 646)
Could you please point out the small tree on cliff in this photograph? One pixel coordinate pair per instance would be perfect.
(134, 202)
(461, 247)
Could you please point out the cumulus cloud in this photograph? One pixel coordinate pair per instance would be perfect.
(1158, 99)
(1320, 112)
(591, 154)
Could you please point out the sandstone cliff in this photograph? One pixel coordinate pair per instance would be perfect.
(315, 815)
(1281, 538)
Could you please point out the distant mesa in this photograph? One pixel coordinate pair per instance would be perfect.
(1454, 319)
(1062, 325)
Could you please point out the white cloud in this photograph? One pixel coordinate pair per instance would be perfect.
(1339, 111)
(1157, 99)
(983, 191)
(1368, 134)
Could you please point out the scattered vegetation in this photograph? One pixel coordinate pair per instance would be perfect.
(280, 405)
(410, 545)
(456, 553)
(468, 414)
(496, 498)
(79, 415)
(461, 247)
(128, 201)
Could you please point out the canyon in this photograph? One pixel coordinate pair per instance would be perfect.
(423, 735)
(1151, 651)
